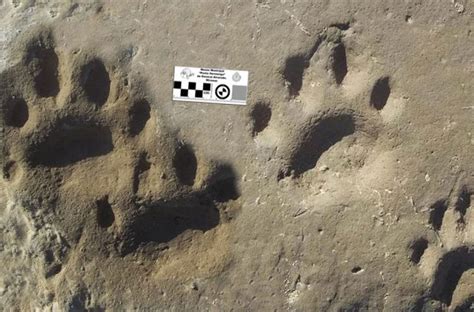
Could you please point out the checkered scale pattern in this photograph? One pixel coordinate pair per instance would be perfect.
(190, 89)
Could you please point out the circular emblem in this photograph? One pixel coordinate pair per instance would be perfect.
(236, 77)
(186, 73)
(222, 91)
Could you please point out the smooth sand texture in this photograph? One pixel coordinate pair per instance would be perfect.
(345, 184)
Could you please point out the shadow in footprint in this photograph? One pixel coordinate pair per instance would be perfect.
(44, 62)
(437, 211)
(318, 139)
(223, 184)
(70, 142)
(9, 169)
(143, 165)
(463, 202)
(96, 82)
(139, 115)
(339, 62)
(293, 73)
(418, 248)
(466, 306)
(260, 114)
(185, 164)
(105, 214)
(163, 221)
(16, 113)
(295, 66)
(380, 93)
(450, 269)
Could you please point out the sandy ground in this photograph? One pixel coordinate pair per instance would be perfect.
(345, 183)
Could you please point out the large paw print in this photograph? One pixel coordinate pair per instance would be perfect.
(338, 110)
(448, 260)
(83, 145)
(330, 147)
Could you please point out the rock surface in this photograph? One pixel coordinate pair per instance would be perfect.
(345, 184)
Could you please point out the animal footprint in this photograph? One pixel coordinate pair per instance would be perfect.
(83, 145)
(338, 110)
(449, 262)
(326, 140)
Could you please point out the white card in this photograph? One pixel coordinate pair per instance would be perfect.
(210, 85)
